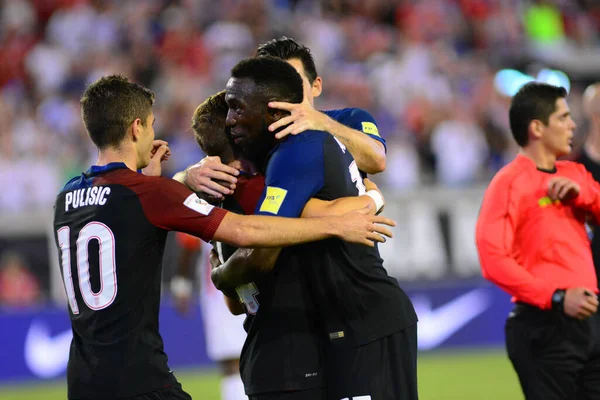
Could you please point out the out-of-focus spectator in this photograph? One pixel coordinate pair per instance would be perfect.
(408, 62)
(18, 286)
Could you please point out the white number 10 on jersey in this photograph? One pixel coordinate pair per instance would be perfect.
(108, 274)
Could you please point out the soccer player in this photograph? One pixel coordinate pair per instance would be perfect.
(354, 127)
(589, 155)
(532, 242)
(110, 228)
(360, 320)
(223, 331)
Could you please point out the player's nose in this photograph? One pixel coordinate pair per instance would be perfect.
(230, 120)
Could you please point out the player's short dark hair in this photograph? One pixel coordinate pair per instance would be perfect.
(275, 78)
(535, 100)
(110, 105)
(287, 48)
(208, 124)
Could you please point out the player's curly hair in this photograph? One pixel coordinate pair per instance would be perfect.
(210, 131)
(535, 100)
(276, 79)
(287, 48)
(110, 105)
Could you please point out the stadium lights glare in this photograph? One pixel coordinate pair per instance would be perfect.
(509, 81)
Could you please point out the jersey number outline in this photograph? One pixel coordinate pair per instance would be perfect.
(357, 178)
(108, 274)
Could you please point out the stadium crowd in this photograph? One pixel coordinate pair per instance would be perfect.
(425, 69)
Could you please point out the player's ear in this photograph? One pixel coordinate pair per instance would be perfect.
(135, 130)
(317, 87)
(536, 128)
(276, 115)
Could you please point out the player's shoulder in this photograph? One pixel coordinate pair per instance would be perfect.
(569, 165)
(349, 114)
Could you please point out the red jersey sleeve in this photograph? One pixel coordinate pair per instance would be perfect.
(589, 193)
(170, 205)
(495, 232)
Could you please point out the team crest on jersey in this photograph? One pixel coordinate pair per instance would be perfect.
(197, 204)
(547, 201)
(370, 128)
(273, 200)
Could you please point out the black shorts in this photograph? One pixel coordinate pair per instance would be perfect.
(385, 369)
(174, 392)
(310, 394)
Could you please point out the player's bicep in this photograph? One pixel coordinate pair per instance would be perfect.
(322, 208)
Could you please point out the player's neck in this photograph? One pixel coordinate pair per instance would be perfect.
(112, 155)
(542, 158)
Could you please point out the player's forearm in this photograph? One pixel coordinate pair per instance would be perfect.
(262, 231)
(320, 208)
(368, 152)
(244, 266)
(234, 306)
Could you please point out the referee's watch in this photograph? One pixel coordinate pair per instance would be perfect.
(558, 300)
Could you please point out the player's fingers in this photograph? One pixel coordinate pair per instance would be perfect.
(376, 237)
(382, 230)
(378, 219)
(159, 142)
(209, 191)
(368, 242)
(300, 127)
(217, 187)
(284, 132)
(564, 190)
(587, 308)
(221, 176)
(233, 172)
(160, 152)
(282, 122)
(281, 105)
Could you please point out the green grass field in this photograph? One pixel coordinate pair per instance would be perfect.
(485, 374)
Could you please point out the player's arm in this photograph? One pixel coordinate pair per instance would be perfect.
(373, 199)
(231, 299)
(368, 150)
(494, 235)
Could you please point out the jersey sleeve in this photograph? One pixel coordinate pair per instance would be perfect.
(294, 174)
(361, 120)
(171, 206)
(589, 193)
(495, 232)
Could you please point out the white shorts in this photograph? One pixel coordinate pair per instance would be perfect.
(224, 332)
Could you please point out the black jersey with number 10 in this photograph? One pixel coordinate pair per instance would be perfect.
(110, 227)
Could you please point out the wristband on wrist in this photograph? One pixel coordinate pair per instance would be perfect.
(377, 198)
(181, 286)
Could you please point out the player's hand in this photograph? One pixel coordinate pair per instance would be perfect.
(212, 177)
(160, 152)
(303, 117)
(561, 188)
(580, 303)
(359, 226)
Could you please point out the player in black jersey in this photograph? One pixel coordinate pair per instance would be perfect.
(208, 124)
(110, 228)
(367, 323)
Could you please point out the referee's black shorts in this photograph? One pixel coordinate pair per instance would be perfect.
(555, 356)
(385, 369)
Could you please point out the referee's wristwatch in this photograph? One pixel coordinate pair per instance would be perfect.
(558, 300)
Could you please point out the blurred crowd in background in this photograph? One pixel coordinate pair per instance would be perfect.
(425, 69)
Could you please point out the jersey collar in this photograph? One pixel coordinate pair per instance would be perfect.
(100, 169)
